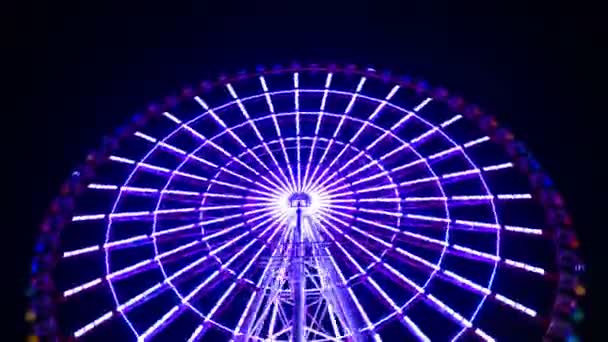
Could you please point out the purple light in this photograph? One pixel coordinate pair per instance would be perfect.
(524, 230)
(93, 324)
(445, 152)
(422, 104)
(450, 312)
(460, 173)
(158, 323)
(476, 141)
(450, 121)
(516, 305)
(484, 336)
(498, 167)
(80, 251)
(524, 266)
(82, 287)
(424, 135)
(196, 334)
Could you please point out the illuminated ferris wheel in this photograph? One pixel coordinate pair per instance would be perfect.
(308, 204)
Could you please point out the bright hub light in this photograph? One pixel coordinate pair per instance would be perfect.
(309, 202)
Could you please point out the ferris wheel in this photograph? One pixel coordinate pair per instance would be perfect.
(308, 203)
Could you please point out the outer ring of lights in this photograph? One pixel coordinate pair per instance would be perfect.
(41, 315)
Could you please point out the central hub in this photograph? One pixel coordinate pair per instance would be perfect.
(309, 202)
(300, 199)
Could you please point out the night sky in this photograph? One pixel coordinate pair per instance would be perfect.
(91, 71)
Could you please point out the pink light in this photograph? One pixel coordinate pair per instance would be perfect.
(453, 314)
(478, 224)
(514, 196)
(497, 167)
(467, 282)
(396, 150)
(139, 297)
(82, 287)
(524, 230)
(128, 269)
(129, 214)
(182, 192)
(516, 305)
(138, 189)
(88, 217)
(428, 218)
(445, 152)
(421, 105)
(145, 137)
(379, 225)
(103, 186)
(476, 253)
(93, 324)
(80, 251)
(403, 278)
(158, 323)
(460, 173)
(121, 160)
(195, 335)
(476, 141)
(450, 121)
(401, 121)
(472, 198)
(172, 118)
(424, 135)
(366, 179)
(175, 250)
(405, 166)
(125, 241)
(425, 199)
(376, 188)
(484, 336)
(415, 330)
(417, 258)
(523, 266)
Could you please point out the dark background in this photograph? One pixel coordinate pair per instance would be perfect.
(89, 70)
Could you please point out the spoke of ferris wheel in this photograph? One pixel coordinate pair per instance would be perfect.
(336, 132)
(412, 327)
(454, 249)
(161, 287)
(205, 140)
(397, 310)
(136, 268)
(458, 280)
(240, 276)
(226, 265)
(453, 176)
(443, 153)
(251, 122)
(276, 125)
(317, 127)
(372, 116)
(320, 187)
(161, 323)
(297, 110)
(278, 129)
(386, 227)
(164, 170)
(236, 137)
(469, 199)
(141, 214)
(482, 226)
